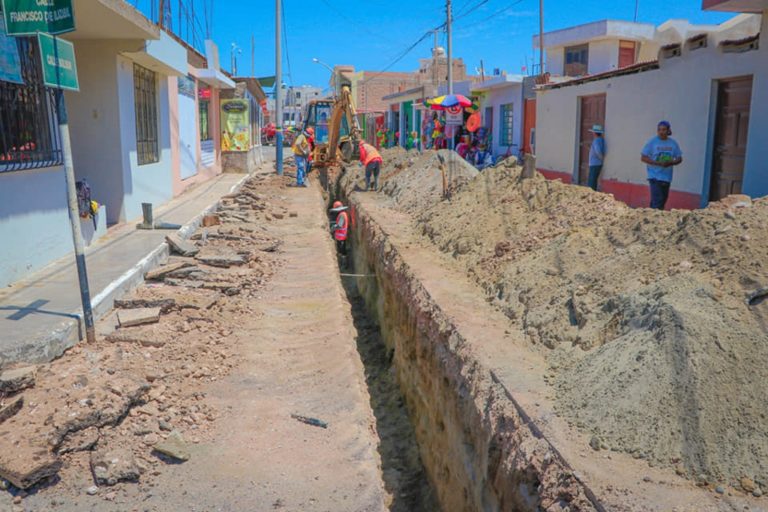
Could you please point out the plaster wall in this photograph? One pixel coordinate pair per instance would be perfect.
(495, 98)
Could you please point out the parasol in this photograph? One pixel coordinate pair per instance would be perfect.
(448, 101)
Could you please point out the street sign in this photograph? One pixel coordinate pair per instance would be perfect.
(27, 17)
(58, 61)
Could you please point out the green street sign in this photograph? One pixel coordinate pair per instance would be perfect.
(27, 17)
(58, 59)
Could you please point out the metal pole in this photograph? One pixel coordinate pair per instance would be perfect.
(637, 7)
(541, 37)
(278, 93)
(74, 211)
(450, 46)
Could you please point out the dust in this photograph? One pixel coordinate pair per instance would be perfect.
(652, 321)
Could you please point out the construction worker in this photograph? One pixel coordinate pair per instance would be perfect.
(301, 152)
(371, 160)
(340, 229)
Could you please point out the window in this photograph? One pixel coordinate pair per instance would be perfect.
(145, 97)
(204, 106)
(298, 94)
(506, 128)
(28, 135)
(576, 60)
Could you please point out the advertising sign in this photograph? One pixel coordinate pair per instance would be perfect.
(27, 17)
(58, 62)
(235, 125)
(454, 116)
(10, 64)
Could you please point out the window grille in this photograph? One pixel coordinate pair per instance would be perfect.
(145, 95)
(29, 138)
(507, 125)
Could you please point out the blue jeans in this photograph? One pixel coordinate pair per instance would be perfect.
(659, 193)
(594, 175)
(301, 169)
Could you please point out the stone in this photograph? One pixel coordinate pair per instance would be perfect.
(165, 304)
(145, 339)
(164, 425)
(92, 490)
(757, 492)
(79, 441)
(747, 484)
(181, 246)
(139, 316)
(210, 220)
(220, 258)
(595, 443)
(162, 271)
(13, 381)
(720, 489)
(112, 466)
(24, 467)
(174, 446)
(293, 214)
(11, 409)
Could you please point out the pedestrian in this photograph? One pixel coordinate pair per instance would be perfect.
(371, 160)
(301, 152)
(661, 154)
(596, 155)
(340, 229)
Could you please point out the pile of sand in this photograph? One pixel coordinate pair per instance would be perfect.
(652, 321)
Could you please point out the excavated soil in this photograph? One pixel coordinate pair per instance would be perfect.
(654, 323)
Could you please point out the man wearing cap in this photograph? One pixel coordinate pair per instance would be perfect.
(596, 156)
(340, 229)
(661, 154)
(301, 151)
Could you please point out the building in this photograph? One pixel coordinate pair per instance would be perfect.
(296, 99)
(501, 111)
(715, 94)
(242, 120)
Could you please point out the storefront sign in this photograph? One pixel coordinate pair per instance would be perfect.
(186, 86)
(235, 125)
(58, 62)
(27, 17)
(454, 116)
(10, 64)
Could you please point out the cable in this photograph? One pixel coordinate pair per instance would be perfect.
(500, 11)
(285, 39)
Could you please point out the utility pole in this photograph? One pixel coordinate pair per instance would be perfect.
(435, 70)
(450, 46)
(278, 92)
(541, 37)
(637, 7)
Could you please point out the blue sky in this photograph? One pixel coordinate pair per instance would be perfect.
(370, 34)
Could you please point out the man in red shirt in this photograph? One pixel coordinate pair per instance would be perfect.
(371, 160)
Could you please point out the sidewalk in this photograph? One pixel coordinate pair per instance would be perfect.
(40, 315)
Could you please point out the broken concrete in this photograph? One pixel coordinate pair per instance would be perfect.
(13, 381)
(220, 257)
(11, 409)
(115, 465)
(181, 246)
(80, 441)
(174, 446)
(165, 305)
(139, 316)
(143, 338)
(161, 272)
(211, 220)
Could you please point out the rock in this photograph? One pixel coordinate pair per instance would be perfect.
(595, 443)
(13, 381)
(145, 339)
(26, 466)
(164, 270)
(174, 446)
(293, 214)
(165, 304)
(112, 466)
(720, 489)
(278, 216)
(151, 439)
(92, 490)
(11, 409)
(730, 215)
(79, 441)
(747, 484)
(181, 246)
(164, 425)
(220, 258)
(16, 500)
(210, 220)
(139, 316)
(685, 265)
(757, 492)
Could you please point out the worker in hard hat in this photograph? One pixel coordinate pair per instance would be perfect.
(301, 152)
(371, 160)
(340, 228)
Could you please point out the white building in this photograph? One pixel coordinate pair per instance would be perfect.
(296, 99)
(501, 110)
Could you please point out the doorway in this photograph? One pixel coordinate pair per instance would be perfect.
(592, 113)
(731, 130)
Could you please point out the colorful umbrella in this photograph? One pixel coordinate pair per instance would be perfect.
(448, 101)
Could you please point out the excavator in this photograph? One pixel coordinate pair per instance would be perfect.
(337, 131)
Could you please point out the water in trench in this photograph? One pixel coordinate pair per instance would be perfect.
(404, 475)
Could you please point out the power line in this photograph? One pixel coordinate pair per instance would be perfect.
(500, 11)
(285, 39)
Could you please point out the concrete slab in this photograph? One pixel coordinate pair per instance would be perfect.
(40, 317)
(138, 316)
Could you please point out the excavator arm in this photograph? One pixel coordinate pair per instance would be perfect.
(343, 111)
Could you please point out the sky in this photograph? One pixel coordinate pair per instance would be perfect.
(372, 34)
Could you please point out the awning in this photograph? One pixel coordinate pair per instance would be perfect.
(267, 81)
(214, 78)
(164, 55)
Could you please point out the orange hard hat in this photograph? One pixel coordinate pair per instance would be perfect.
(337, 204)
(310, 131)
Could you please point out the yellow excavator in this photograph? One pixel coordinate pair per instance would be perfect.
(337, 131)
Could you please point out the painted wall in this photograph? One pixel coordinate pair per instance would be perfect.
(603, 56)
(34, 224)
(633, 108)
(150, 183)
(495, 98)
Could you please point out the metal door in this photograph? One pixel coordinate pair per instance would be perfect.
(592, 113)
(529, 125)
(730, 148)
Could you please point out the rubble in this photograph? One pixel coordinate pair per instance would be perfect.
(138, 316)
(181, 246)
(162, 271)
(112, 466)
(174, 446)
(15, 380)
(9, 410)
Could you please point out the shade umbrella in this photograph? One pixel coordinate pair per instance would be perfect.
(449, 100)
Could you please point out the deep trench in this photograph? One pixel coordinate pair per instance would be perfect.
(403, 472)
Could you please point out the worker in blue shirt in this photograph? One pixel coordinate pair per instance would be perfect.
(661, 154)
(596, 156)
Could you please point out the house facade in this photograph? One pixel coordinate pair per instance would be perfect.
(502, 111)
(716, 98)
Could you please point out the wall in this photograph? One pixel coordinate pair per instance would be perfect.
(634, 107)
(555, 63)
(34, 223)
(496, 98)
(603, 55)
(150, 183)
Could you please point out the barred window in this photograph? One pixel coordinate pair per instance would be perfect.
(145, 95)
(507, 125)
(29, 138)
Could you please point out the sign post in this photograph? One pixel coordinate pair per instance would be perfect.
(45, 18)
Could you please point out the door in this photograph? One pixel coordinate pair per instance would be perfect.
(627, 53)
(187, 127)
(529, 127)
(592, 113)
(730, 147)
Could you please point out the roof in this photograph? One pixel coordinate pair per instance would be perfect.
(597, 30)
(754, 6)
(629, 70)
(498, 82)
(409, 92)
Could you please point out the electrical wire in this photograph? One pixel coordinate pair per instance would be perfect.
(500, 11)
(285, 45)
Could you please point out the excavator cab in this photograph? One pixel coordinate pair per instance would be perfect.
(336, 130)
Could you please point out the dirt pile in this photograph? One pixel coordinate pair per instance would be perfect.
(415, 180)
(107, 408)
(654, 323)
